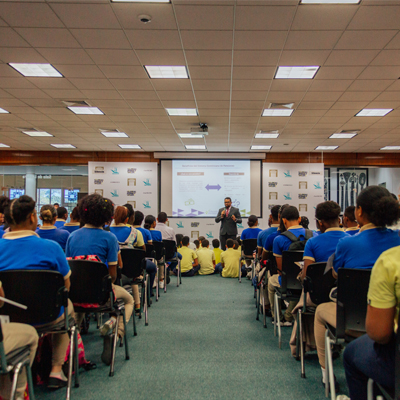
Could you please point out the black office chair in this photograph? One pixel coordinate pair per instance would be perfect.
(351, 309)
(318, 285)
(91, 291)
(170, 256)
(248, 248)
(290, 289)
(134, 266)
(151, 255)
(159, 247)
(44, 293)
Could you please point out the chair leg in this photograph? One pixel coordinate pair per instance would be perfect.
(370, 389)
(148, 291)
(76, 350)
(326, 366)
(146, 304)
(177, 273)
(301, 344)
(17, 371)
(71, 361)
(263, 311)
(157, 285)
(275, 315)
(329, 368)
(258, 305)
(30, 381)
(180, 273)
(165, 277)
(114, 349)
(125, 336)
(134, 324)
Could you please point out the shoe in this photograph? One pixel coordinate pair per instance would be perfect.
(107, 350)
(108, 327)
(137, 311)
(342, 397)
(161, 285)
(273, 322)
(287, 323)
(168, 280)
(56, 383)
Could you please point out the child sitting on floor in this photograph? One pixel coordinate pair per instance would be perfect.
(189, 263)
(206, 259)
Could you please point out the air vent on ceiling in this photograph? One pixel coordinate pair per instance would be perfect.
(76, 103)
(281, 105)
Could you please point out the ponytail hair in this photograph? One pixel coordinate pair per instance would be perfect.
(48, 213)
(148, 221)
(120, 215)
(380, 207)
(252, 220)
(18, 210)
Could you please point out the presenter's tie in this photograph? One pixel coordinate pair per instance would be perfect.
(227, 212)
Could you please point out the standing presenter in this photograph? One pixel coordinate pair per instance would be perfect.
(229, 217)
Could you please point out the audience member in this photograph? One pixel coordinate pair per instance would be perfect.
(48, 215)
(150, 224)
(349, 221)
(75, 221)
(304, 222)
(131, 214)
(62, 216)
(252, 231)
(197, 244)
(166, 231)
(189, 263)
(206, 259)
(230, 261)
(137, 224)
(274, 224)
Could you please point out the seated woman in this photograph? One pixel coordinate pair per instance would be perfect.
(252, 231)
(150, 224)
(48, 230)
(75, 221)
(375, 210)
(95, 211)
(37, 253)
(137, 223)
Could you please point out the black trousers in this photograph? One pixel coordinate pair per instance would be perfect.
(224, 238)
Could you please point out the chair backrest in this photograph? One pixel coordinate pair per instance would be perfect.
(351, 300)
(159, 247)
(248, 246)
(290, 270)
(42, 291)
(90, 282)
(150, 251)
(170, 249)
(133, 262)
(318, 284)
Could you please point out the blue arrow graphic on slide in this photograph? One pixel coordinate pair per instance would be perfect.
(213, 187)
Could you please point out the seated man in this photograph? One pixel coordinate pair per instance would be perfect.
(206, 258)
(290, 218)
(230, 261)
(262, 236)
(349, 221)
(189, 263)
(62, 216)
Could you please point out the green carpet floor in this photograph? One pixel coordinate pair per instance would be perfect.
(202, 342)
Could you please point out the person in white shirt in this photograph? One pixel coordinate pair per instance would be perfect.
(166, 232)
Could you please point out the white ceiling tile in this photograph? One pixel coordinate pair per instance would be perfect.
(252, 58)
(312, 40)
(285, 97)
(351, 57)
(343, 73)
(28, 93)
(95, 84)
(206, 72)
(322, 96)
(51, 83)
(372, 17)
(212, 95)
(101, 94)
(365, 39)
(208, 58)
(20, 55)
(380, 73)
(154, 39)
(16, 83)
(64, 93)
(65, 56)
(359, 96)
(329, 85)
(320, 105)
(79, 71)
(305, 57)
(164, 84)
(249, 84)
(361, 85)
(48, 37)
(161, 57)
(123, 72)
(101, 38)
(145, 104)
(113, 57)
(388, 96)
(10, 38)
(139, 95)
(259, 40)
(212, 84)
(264, 17)
(387, 57)
(207, 40)
(291, 85)
(248, 95)
(394, 43)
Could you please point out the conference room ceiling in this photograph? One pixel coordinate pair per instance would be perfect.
(231, 49)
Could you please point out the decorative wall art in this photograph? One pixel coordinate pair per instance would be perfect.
(327, 184)
(350, 183)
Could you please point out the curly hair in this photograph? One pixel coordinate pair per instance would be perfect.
(95, 210)
(18, 210)
(327, 211)
(48, 213)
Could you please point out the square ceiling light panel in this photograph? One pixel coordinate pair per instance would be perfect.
(190, 135)
(277, 112)
(129, 146)
(37, 70)
(63, 146)
(342, 135)
(326, 147)
(181, 112)
(3, 111)
(267, 135)
(86, 110)
(374, 112)
(195, 147)
(391, 148)
(3, 145)
(37, 133)
(167, 71)
(330, 1)
(260, 147)
(306, 72)
(114, 134)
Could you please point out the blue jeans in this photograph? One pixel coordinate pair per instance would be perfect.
(191, 272)
(218, 268)
(173, 264)
(363, 359)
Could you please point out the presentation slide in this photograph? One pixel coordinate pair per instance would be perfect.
(200, 186)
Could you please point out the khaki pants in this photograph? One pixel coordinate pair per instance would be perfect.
(122, 294)
(14, 336)
(325, 312)
(264, 293)
(273, 282)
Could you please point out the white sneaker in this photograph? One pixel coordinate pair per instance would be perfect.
(161, 284)
(107, 327)
(342, 397)
(287, 323)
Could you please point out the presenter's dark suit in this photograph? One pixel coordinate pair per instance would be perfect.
(228, 229)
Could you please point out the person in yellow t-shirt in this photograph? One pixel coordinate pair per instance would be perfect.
(206, 258)
(217, 251)
(373, 355)
(230, 261)
(189, 263)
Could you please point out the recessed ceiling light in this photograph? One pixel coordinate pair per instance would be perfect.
(3, 111)
(86, 110)
(40, 70)
(37, 133)
(3, 145)
(195, 147)
(114, 134)
(330, 1)
(391, 148)
(342, 135)
(167, 71)
(259, 147)
(63, 146)
(267, 135)
(374, 112)
(306, 72)
(181, 111)
(129, 146)
(326, 147)
(190, 135)
(276, 112)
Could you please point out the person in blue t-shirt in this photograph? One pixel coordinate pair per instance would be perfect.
(75, 221)
(150, 224)
(48, 230)
(349, 221)
(273, 227)
(23, 249)
(252, 231)
(320, 248)
(290, 218)
(375, 210)
(62, 216)
(95, 211)
(137, 223)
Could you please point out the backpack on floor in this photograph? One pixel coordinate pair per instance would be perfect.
(298, 243)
